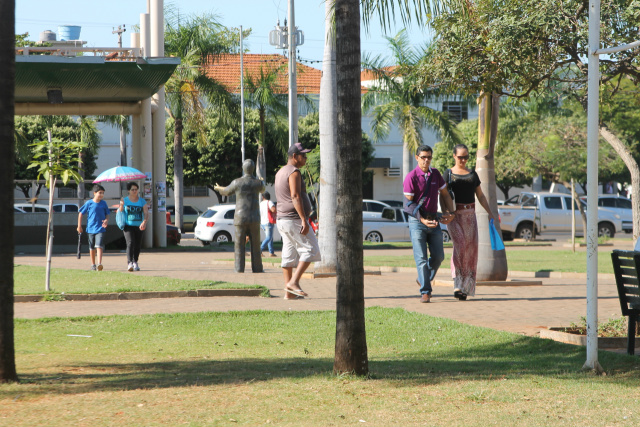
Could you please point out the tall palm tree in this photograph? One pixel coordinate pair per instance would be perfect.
(351, 342)
(264, 94)
(397, 98)
(195, 40)
(328, 237)
(7, 155)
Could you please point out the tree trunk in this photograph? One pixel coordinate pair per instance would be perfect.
(492, 265)
(328, 234)
(81, 189)
(576, 200)
(7, 158)
(634, 170)
(178, 174)
(406, 160)
(351, 342)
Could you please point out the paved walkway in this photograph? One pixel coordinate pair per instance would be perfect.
(520, 309)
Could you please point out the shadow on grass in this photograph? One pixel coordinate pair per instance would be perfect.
(521, 358)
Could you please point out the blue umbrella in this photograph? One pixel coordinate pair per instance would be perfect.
(120, 173)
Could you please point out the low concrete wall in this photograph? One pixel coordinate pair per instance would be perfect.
(31, 232)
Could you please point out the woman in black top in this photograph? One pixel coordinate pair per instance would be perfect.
(465, 185)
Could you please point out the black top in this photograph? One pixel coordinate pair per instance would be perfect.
(463, 186)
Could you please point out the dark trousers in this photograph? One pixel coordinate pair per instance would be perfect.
(133, 236)
(251, 230)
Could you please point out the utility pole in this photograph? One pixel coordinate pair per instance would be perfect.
(289, 37)
(121, 29)
(293, 84)
(242, 95)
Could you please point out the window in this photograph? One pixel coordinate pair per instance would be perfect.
(230, 214)
(623, 203)
(607, 202)
(389, 214)
(194, 191)
(67, 193)
(552, 202)
(458, 111)
(567, 203)
(375, 207)
(209, 213)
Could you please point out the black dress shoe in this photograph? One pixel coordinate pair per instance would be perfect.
(460, 295)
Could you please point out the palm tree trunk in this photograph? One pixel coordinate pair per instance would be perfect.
(328, 235)
(7, 158)
(634, 170)
(492, 265)
(351, 343)
(178, 176)
(406, 160)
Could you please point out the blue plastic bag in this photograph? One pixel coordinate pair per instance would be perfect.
(496, 242)
(121, 219)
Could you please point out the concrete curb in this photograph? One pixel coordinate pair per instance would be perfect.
(388, 269)
(145, 295)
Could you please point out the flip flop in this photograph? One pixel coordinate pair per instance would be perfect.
(296, 297)
(297, 292)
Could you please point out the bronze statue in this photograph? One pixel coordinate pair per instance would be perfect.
(247, 215)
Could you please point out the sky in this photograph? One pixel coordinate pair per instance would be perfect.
(98, 19)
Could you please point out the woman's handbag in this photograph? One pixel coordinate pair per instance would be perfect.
(496, 242)
(121, 219)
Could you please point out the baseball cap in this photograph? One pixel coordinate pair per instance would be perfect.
(297, 149)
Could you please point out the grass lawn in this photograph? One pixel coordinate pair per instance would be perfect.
(29, 280)
(275, 368)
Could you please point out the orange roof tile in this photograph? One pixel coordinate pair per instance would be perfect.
(226, 70)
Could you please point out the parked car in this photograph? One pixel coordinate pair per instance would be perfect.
(393, 226)
(550, 212)
(373, 208)
(65, 207)
(29, 207)
(618, 204)
(189, 216)
(216, 225)
(57, 207)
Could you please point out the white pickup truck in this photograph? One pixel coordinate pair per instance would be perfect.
(551, 213)
(392, 227)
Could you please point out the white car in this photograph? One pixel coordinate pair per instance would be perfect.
(216, 225)
(28, 207)
(40, 208)
(619, 205)
(373, 208)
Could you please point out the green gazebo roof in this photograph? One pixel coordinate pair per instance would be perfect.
(90, 78)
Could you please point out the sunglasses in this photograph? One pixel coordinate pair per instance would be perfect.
(426, 157)
(463, 157)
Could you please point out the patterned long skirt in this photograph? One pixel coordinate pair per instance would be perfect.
(464, 262)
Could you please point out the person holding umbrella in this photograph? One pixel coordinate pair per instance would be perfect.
(137, 214)
(135, 208)
(97, 212)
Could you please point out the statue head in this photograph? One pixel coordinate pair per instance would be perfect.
(248, 167)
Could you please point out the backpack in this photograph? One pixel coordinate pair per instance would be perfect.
(272, 215)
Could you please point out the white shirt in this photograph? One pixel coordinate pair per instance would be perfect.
(264, 215)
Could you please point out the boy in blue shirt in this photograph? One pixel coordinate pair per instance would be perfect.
(97, 212)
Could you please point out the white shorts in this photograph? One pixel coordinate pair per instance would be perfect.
(297, 247)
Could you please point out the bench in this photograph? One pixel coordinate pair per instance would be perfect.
(626, 265)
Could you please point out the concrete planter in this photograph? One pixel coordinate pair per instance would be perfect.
(557, 334)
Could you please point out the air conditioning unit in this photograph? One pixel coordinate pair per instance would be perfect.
(392, 172)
